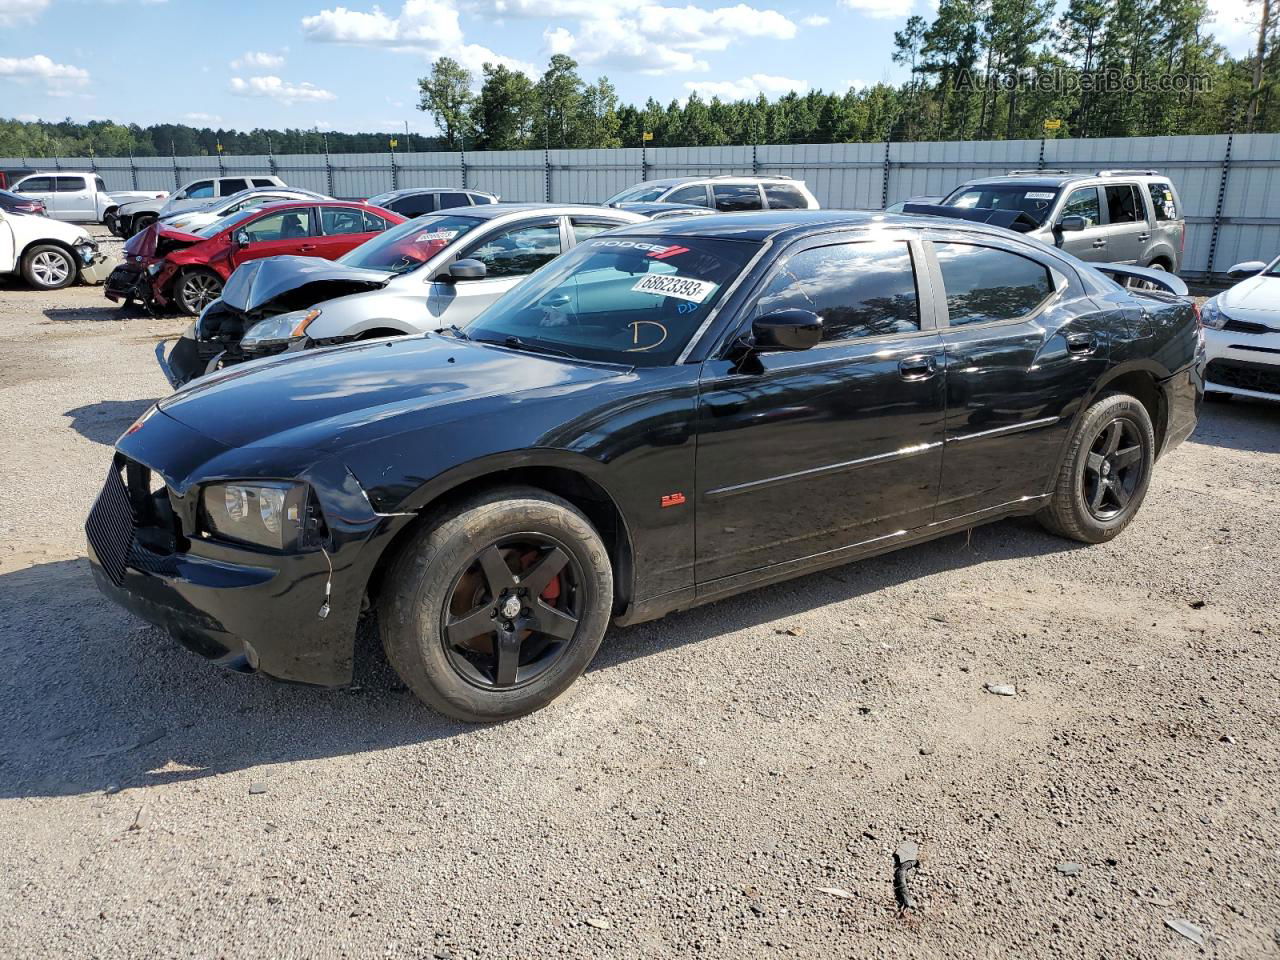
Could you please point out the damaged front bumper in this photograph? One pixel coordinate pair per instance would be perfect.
(97, 268)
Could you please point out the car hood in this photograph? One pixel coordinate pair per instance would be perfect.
(141, 206)
(288, 282)
(1257, 298)
(332, 398)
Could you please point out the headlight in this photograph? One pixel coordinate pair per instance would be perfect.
(179, 223)
(1211, 315)
(278, 330)
(272, 514)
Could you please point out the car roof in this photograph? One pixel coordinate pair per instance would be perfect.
(491, 211)
(1060, 179)
(407, 191)
(759, 226)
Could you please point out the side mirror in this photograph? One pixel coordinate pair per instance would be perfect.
(467, 270)
(241, 238)
(791, 329)
(1072, 224)
(1242, 271)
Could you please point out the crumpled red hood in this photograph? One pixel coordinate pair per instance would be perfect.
(155, 241)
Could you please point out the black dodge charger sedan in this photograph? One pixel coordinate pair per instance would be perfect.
(671, 413)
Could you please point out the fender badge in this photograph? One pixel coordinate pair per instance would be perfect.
(672, 499)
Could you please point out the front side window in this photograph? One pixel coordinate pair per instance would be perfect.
(1162, 201)
(518, 251)
(865, 289)
(1123, 204)
(70, 184)
(736, 196)
(100, 184)
(200, 190)
(409, 245)
(984, 284)
(783, 196)
(632, 300)
(263, 182)
(339, 220)
(695, 195)
(229, 185)
(1084, 203)
(285, 225)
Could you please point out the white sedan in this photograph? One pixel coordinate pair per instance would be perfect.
(1242, 334)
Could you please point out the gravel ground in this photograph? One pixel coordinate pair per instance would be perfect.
(729, 782)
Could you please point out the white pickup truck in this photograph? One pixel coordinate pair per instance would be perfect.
(49, 255)
(78, 196)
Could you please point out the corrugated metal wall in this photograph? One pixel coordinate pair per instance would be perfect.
(1230, 185)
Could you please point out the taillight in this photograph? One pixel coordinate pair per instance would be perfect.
(1196, 307)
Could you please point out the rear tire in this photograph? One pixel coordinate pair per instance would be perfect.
(49, 267)
(195, 289)
(482, 567)
(1104, 477)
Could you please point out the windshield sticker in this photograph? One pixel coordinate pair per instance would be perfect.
(1039, 195)
(659, 251)
(684, 288)
(435, 236)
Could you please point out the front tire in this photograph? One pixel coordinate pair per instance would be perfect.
(196, 289)
(140, 223)
(495, 608)
(49, 267)
(1105, 475)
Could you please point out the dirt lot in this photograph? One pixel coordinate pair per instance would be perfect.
(730, 782)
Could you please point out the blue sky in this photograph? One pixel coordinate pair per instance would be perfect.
(352, 65)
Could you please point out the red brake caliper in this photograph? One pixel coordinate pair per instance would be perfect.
(552, 593)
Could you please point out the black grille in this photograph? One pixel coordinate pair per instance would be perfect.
(1247, 326)
(110, 526)
(1263, 377)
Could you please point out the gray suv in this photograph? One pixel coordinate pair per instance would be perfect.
(1113, 216)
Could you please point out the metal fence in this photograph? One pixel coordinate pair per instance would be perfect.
(1230, 185)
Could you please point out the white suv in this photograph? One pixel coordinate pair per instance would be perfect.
(727, 192)
(133, 218)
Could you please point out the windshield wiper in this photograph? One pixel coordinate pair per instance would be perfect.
(515, 343)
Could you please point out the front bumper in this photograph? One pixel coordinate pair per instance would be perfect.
(98, 268)
(245, 609)
(1243, 364)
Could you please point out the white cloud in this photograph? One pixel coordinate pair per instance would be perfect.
(428, 27)
(59, 78)
(257, 60)
(1234, 24)
(816, 20)
(14, 12)
(748, 88)
(276, 89)
(198, 117)
(27, 117)
(878, 9)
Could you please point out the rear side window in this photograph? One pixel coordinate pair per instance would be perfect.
(1084, 203)
(373, 223)
(415, 205)
(479, 198)
(1123, 204)
(229, 185)
(783, 196)
(695, 196)
(1162, 201)
(263, 182)
(339, 220)
(858, 289)
(984, 284)
(736, 196)
(70, 184)
(448, 200)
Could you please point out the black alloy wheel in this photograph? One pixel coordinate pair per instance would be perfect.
(1114, 469)
(511, 613)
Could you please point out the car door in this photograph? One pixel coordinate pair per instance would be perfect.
(1089, 243)
(1126, 222)
(74, 197)
(275, 233)
(1024, 345)
(509, 254)
(809, 452)
(341, 229)
(39, 187)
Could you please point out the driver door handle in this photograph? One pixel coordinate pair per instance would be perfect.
(307, 246)
(918, 367)
(1081, 344)
(1099, 243)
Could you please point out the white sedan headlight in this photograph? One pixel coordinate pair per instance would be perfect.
(1211, 315)
(279, 330)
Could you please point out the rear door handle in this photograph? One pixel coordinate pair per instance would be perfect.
(1081, 344)
(918, 367)
(1099, 243)
(1144, 237)
(307, 246)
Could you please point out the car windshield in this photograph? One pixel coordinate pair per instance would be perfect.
(411, 244)
(1034, 201)
(1273, 270)
(640, 193)
(632, 300)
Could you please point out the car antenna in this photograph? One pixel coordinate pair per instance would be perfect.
(323, 612)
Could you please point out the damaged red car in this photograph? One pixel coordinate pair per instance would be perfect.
(164, 267)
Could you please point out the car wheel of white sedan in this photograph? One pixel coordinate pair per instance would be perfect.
(47, 267)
